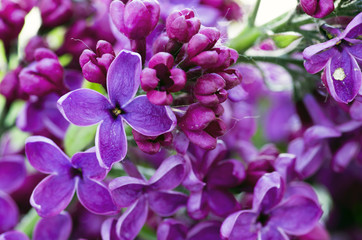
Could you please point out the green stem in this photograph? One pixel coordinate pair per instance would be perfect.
(252, 17)
(278, 60)
(28, 222)
(246, 38)
(3, 116)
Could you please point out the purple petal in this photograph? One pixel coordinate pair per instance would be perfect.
(57, 227)
(171, 229)
(356, 110)
(9, 213)
(95, 197)
(45, 156)
(84, 107)
(13, 235)
(52, 195)
(54, 122)
(343, 77)
(268, 191)
(123, 77)
(314, 49)
(166, 203)
(221, 202)
(126, 190)
(88, 163)
(272, 233)
(354, 29)
(205, 230)
(297, 215)
(197, 207)
(229, 173)
(240, 225)
(132, 220)
(301, 189)
(108, 229)
(344, 155)
(169, 174)
(149, 119)
(12, 172)
(211, 157)
(285, 165)
(30, 118)
(316, 133)
(111, 142)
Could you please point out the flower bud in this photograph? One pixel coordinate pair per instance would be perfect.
(232, 78)
(55, 12)
(9, 86)
(203, 41)
(317, 8)
(152, 145)
(11, 21)
(43, 76)
(182, 25)
(95, 65)
(209, 90)
(33, 44)
(216, 58)
(136, 19)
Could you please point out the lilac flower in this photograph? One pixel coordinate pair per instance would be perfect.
(340, 58)
(138, 194)
(9, 213)
(57, 227)
(85, 107)
(271, 216)
(13, 235)
(81, 173)
(171, 229)
(182, 25)
(317, 9)
(208, 181)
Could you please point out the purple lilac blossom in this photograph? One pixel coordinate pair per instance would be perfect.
(340, 58)
(276, 211)
(81, 173)
(317, 8)
(137, 195)
(57, 227)
(85, 107)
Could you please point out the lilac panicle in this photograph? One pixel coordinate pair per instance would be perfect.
(81, 173)
(160, 79)
(43, 76)
(182, 25)
(85, 107)
(317, 9)
(57, 227)
(95, 65)
(276, 211)
(136, 19)
(340, 58)
(139, 194)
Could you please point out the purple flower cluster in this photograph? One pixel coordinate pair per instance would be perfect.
(143, 122)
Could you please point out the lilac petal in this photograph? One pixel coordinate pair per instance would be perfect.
(108, 229)
(240, 225)
(205, 230)
(310, 160)
(84, 107)
(166, 203)
(52, 195)
(149, 119)
(123, 77)
(13, 235)
(197, 207)
(45, 156)
(237, 94)
(212, 157)
(272, 233)
(126, 190)
(297, 215)
(111, 142)
(88, 163)
(30, 118)
(314, 49)
(169, 174)
(221, 202)
(57, 227)
(55, 123)
(95, 197)
(301, 189)
(354, 29)
(317, 233)
(356, 110)
(285, 165)
(132, 220)
(171, 229)
(343, 77)
(12, 172)
(229, 173)
(268, 191)
(344, 155)
(313, 135)
(9, 213)
(192, 182)
(356, 51)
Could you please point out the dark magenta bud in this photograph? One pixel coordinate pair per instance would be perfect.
(216, 59)
(11, 21)
(182, 25)
(55, 12)
(232, 78)
(33, 44)
(10, 86)
(160, 79)
(43, 76)
(209, 90)
(317, 8)
(152, 145)
(136, 19)
(203, 41)
(95, 65)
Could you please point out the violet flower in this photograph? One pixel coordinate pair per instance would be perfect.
(81, 173)
(340, 58)
(317, 8)
(86, 107)
(138, 194)
(271, 216)
(57, 227)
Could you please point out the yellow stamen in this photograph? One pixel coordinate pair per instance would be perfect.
(116, 111)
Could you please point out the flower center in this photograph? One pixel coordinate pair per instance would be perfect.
(263, 219)
(339, 74)
(116, 111)
(76, 172)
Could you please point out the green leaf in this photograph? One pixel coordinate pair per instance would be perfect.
(28, 223)
(147, 233)
(65, 59)
(283, 40)
(79, 138)
(94, 86)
